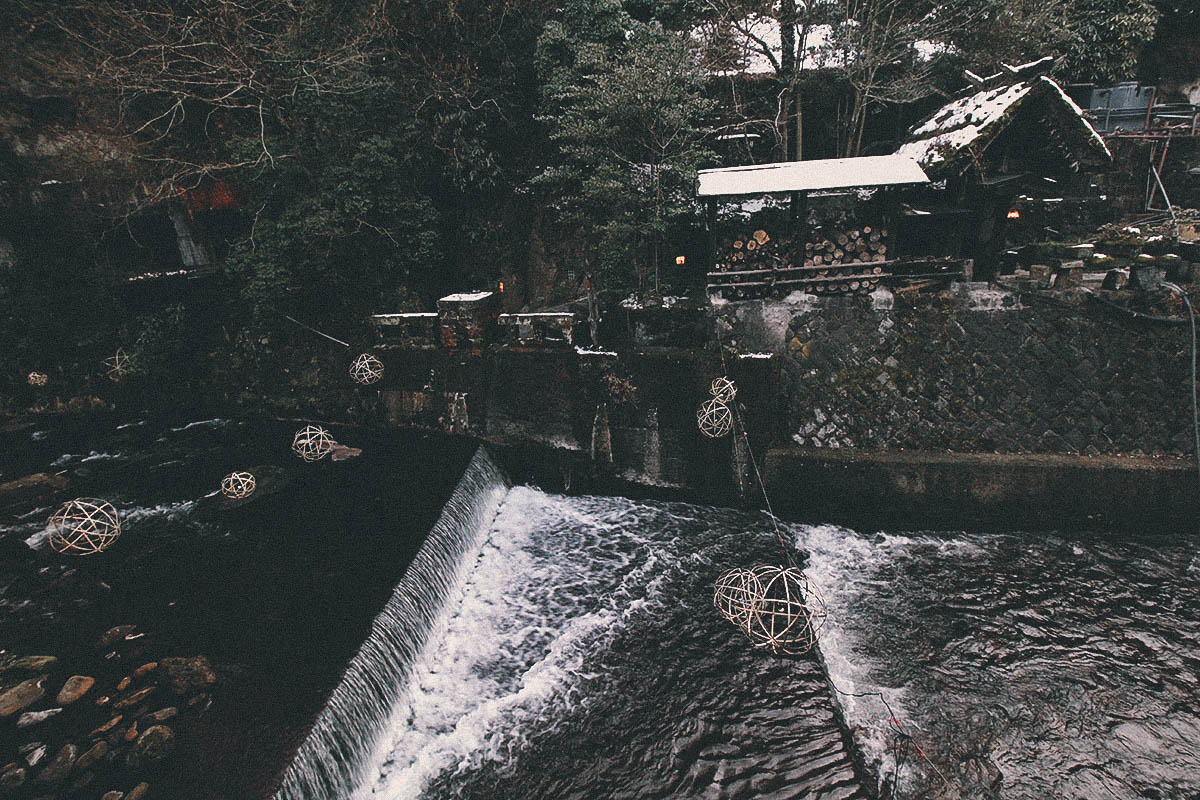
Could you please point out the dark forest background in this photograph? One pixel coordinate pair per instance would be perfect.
(339, 158)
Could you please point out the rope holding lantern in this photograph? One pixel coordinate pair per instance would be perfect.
(84, 526)
(119, 365)
(312, 443)
(723, 390)
(366, 369)
(714, 418)
(237, 485)
(36, 378)
(787, 613)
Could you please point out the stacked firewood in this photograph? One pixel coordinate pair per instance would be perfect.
(757, 250)
(841, 245)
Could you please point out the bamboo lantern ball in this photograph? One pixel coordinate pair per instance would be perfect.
(237, 485)
(366, 369)
(37, 378)
(735, 593)
(119, 365)
(84, 526)
(723, 390)
(312, 443)
(788, 614)
(714, 418)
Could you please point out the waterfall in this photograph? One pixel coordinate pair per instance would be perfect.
(328, 762)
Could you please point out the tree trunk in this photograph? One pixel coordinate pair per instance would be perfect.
(787, 75)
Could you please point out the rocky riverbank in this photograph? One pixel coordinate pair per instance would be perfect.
(99, 726)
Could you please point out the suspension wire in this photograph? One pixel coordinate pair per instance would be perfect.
(901, 738)
(314, 330)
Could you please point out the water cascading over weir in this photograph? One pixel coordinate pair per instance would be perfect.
(328, 762)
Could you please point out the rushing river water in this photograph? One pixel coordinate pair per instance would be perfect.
(551, 646)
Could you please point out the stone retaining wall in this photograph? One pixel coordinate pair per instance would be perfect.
(975, 370)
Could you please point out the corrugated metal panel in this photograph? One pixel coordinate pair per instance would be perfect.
(807, 176)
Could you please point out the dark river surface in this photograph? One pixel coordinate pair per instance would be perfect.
(580, 657)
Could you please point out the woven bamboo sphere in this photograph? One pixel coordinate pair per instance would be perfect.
(724, 390)
(312, 443)
(38, 378)
(237, 485)
(84, 526)
(366, 369)
(735, 593)
(714, 418)
(119, 365)
(787, 614)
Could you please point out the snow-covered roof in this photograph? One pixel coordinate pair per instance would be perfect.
(465, 297)
(974, 121)
(806, 176)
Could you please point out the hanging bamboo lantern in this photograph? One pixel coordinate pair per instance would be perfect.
(366, 369)
(237, 485)
(119, 365)
(37, 378)
(723, 390)
(84, 526)
(312, 443)
(714, 418)
(787, 614)
(735, 593)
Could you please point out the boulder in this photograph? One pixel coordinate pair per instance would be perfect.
(184, 675)
(28, 663)
(163, 714)
(113, 795)
(114, 635)
(133, 699)
(123, 684)
(108, 726)
(99, 750)
(75, 687)
(22, 695)
(138, 792)
(34, 717)
(60, 767)
(152, 746)
(11, 780)
(35, 754)
(144, 668)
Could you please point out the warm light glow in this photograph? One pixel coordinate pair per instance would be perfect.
(680, 260)
(1014, 214)
(501, 287)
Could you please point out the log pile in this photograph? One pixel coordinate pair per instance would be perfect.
(754, 250)
(834, 245)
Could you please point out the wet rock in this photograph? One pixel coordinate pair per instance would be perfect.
(124, 683)
(108, 726)
(163, 714)
(152, 746)
(132, 733)
(34, 754)
(103, 700)
(28, 663)
(144, 668)
(22, 695)
(12, 780)
(99, 750)
(114, 635)
(34, 717)
(58, 769)
(136, 697)
(75, 687)
(113, 795)
(185, 675)
(138, 792)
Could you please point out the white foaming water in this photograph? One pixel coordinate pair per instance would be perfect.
(556, 578)
(840, 566)
(67, 458)
(218, 422)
